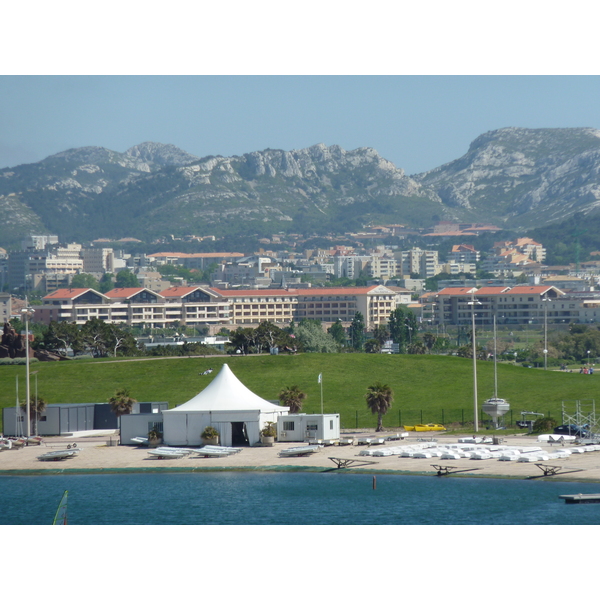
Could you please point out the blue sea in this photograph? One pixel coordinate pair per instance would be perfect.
(266, 498)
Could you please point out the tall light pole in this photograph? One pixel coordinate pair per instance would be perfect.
(545, 301)
(27, 312)
(475, 418)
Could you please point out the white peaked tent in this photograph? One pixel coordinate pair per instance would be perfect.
(225, 404)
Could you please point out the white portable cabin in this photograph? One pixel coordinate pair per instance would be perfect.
(301, 427)
(225, 404)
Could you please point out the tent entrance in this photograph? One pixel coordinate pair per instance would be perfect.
(239, 435)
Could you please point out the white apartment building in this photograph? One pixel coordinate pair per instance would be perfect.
(384, 267)
(464, 253)
(98, 260)
(424, 262)
(38, 242)
(349, 266)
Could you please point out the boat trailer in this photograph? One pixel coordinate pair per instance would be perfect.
(344, 463)
(549, 470)
(447, 470)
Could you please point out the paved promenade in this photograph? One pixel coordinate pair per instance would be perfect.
(96, 453)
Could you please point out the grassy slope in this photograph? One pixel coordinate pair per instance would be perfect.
(427, 383)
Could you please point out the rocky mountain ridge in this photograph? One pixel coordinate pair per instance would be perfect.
(510, 177)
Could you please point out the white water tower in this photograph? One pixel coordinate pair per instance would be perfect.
(496, 408)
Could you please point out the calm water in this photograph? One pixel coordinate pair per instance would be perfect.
(290, 499)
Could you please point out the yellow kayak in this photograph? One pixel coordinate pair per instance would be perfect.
(428, 427)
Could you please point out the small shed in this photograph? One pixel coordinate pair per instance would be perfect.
(138, 425)
(59, 419)
(302, 427)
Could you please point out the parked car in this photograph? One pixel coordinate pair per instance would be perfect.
(577, 430)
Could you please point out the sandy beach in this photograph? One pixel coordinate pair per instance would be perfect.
(97, 455)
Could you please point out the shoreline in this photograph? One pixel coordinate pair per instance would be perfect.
(97, 457)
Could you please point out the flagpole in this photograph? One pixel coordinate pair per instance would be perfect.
(321, 395)
(321, 384)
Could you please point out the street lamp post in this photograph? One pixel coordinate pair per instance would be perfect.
(475, 408)
(545, 301)
(27, 312)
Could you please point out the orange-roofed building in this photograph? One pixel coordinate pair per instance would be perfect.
(518, 305)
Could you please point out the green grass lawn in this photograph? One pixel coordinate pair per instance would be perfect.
(426, 388)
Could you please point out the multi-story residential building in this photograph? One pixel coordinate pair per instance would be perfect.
(534, 251)
(199, 305)
(530, 248)
(424, 262)
(5, 307)
(199, 260)
(349, 266)
(463, 253)
(135, 307)
(384, 267)
(38, 242)
(250, 271)
(454, 268)
(252, 307)
(519, 305)
(98, 260)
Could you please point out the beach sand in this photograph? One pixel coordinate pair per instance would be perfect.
(96, 455)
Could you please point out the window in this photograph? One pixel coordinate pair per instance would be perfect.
(312, 427)
(288, 425)
(331, 424)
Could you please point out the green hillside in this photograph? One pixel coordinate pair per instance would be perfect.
(426, 388)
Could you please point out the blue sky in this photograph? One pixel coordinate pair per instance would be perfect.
(417, 122)
(417, 83)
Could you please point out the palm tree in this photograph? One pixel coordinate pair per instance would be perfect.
(36, 407)
(379, 399)
(293, 397)
(121, 403)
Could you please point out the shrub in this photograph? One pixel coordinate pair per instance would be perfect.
(209, 432)
(543, 424)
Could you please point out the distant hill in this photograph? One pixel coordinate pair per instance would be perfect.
(522, 178)
(511, 177)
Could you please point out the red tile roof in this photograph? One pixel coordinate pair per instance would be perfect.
(457, 291)
(177, 292)
(128, 292)
(348, 291)
(530, 289)
(491, 289)
(266, 292)
(197, 254)
(66, 294)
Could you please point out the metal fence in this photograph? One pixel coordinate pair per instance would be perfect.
(447, 417)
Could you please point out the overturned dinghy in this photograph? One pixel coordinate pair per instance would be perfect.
(214, 451)
(299, 451)
(59, 455)
(169, 452)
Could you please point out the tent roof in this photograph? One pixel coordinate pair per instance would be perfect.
(227, 392)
